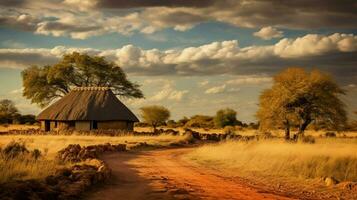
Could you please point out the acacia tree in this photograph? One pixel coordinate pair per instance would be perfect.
(225, 117)
(155, 115)
(298, 98)
(7, 111)
(44, 84)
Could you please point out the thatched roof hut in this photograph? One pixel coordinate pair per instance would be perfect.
(87, 108)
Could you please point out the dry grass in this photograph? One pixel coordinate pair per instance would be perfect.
(328, 157)
(53, 143)
(22, 168)
(17, 127)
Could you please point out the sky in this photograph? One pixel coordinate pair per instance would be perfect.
(191, 56)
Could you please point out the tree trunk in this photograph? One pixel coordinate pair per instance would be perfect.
(303, 126)
(287, 130)
(154, 127)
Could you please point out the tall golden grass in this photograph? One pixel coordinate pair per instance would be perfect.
(53, 143)
(327, 157)
(24, 167)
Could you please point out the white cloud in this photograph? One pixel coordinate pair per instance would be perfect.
(314, 44)
(268, 33)
(216, 89)
(254, 79)
(17, 91)
(168, 92)
(224, 57)
(98, 17)
(203, 83)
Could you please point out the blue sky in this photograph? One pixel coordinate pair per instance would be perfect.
(193, 58)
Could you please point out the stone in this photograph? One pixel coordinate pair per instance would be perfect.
(94, 162)
(348, 185)
(63, 172)
(330, 181)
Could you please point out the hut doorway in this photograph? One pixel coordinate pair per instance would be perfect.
(94, 125)
(47, 125)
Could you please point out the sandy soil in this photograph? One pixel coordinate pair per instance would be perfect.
(162, 174)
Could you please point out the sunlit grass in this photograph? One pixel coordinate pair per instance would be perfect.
(53, 143)
(22, 168)
(328, 157)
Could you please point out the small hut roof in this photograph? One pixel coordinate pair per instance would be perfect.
(88, 103)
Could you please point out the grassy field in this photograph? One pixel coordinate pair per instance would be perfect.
(327, 157)
(25, 167)
(53, 143)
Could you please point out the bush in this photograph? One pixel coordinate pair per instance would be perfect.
(36, 154)
(225, 117)
(308, 139)
(330, 134)
(172, 124)
(14, 149)
(200, 121)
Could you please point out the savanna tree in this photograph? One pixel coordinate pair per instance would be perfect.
(8, 111)
(299, 97)
(46, 83)
(155, 115)
(225, 117)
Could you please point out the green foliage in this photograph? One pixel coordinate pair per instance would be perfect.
(155, 115)
(24, 119)
(200, 121)
(7, 111)
(225, 117)
(172, 124)
(298, 98)
(182, 122)
(44, 84)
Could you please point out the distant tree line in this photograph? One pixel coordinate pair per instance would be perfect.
(9, 114)
(158, 116)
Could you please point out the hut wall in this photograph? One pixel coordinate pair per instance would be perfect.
(82, 125)
(63, 126)
(42, 127)
(53, 125)
(122, 125)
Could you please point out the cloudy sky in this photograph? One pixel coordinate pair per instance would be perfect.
(192, 56)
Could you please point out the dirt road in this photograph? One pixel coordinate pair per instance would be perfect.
(162, 174)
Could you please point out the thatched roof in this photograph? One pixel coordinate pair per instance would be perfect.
(88, 103)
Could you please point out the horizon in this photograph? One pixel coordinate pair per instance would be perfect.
(189, 57)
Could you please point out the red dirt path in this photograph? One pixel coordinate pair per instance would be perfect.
(162, 174)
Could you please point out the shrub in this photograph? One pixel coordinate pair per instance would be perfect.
(308, 139)
(225, 117)
(36, 154)
(14, 149)
(330, 134)
(200, 121)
